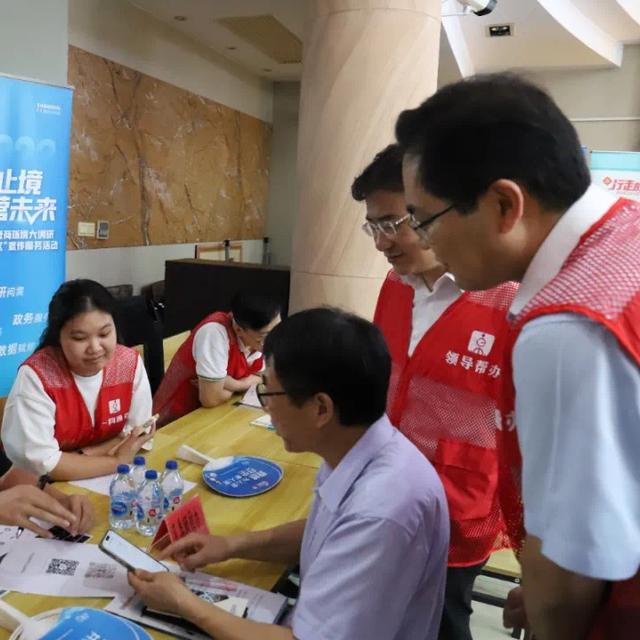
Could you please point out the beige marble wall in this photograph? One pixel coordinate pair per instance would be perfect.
(161, 164)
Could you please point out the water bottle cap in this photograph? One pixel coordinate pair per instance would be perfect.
(171, 464)
(138, 460)
(123, 468)
(151, 474)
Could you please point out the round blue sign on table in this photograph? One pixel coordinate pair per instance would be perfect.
(242, 476)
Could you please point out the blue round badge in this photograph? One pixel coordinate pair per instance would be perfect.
(241, 476)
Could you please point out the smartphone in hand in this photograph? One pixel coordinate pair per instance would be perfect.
(128, 555)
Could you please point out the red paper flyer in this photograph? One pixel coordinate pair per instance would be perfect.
(189, 518)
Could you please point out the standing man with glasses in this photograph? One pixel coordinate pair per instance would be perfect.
(446, 347)
(371, 567)
(503, 152)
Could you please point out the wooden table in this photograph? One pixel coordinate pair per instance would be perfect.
(222, 431)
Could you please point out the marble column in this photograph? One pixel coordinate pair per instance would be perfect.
(364, 62)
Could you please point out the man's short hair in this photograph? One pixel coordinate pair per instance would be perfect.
(384, 173)
(254, 310)
(484, 128)
(330, 351)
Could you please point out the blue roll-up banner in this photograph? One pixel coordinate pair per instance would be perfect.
(35, 128)
(617, 172)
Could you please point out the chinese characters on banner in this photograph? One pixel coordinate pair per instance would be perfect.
(617, 172)
(35, 125)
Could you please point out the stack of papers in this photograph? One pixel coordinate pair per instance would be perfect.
(262, 606)
(263, 421)
(52, 567)
(250, 398)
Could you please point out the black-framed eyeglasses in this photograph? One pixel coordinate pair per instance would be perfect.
(422, 227)
(262, 393)
(388, 228)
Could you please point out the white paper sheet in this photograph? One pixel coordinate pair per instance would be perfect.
(263, 421)
(54, 567)
(250, 398)
(264, 606)
(101, 484)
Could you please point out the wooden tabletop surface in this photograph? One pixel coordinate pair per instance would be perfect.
(217, 432)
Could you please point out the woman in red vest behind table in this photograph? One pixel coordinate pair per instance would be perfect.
(221, 356)
(446, 347)
(76, 394)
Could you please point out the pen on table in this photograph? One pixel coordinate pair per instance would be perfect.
(42, 483)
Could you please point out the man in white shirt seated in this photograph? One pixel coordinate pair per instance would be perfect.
(373, 550)
(221, 356)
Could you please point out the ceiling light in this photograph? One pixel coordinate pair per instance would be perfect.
(499, 30)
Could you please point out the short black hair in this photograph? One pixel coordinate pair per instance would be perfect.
(334, 352)
(473, 132)
(384, 173)
(254, 310)
(72, 299)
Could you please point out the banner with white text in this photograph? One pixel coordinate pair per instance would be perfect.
(35, 127)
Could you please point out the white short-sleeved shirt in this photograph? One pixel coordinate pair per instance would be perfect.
(578, 417)
(429, 305)
(211, 351)
(28, 425)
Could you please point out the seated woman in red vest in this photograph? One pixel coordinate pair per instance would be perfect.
(74, 396)
(222, 356)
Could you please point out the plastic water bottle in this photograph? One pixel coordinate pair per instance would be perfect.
(137, 471)
(149, 504)
(122, 499)
(172, 486)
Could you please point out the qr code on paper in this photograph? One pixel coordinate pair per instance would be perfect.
(100, 570)
(63, 567)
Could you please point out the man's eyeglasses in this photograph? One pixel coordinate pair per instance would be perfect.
(388, 228)
(422, 227)
(262, 393)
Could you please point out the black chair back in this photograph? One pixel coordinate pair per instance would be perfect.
(138, 323)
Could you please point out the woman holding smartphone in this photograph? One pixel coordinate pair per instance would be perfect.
(79, 393)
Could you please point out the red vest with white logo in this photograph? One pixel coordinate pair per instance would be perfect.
(74, 427)
(444, 399)
(177, 394)
(600, 280)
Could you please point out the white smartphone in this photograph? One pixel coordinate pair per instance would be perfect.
(127, 554)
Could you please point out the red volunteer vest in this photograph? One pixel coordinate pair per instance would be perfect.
(444, 399)
(74, 428)
(177, 394)
(601, 280)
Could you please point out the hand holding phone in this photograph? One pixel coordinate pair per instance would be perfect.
(128, 555)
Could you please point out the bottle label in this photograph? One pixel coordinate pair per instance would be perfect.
(171, 503)
(119, 508)
(147, 516)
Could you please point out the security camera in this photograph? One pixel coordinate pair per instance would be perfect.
(479, 7)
